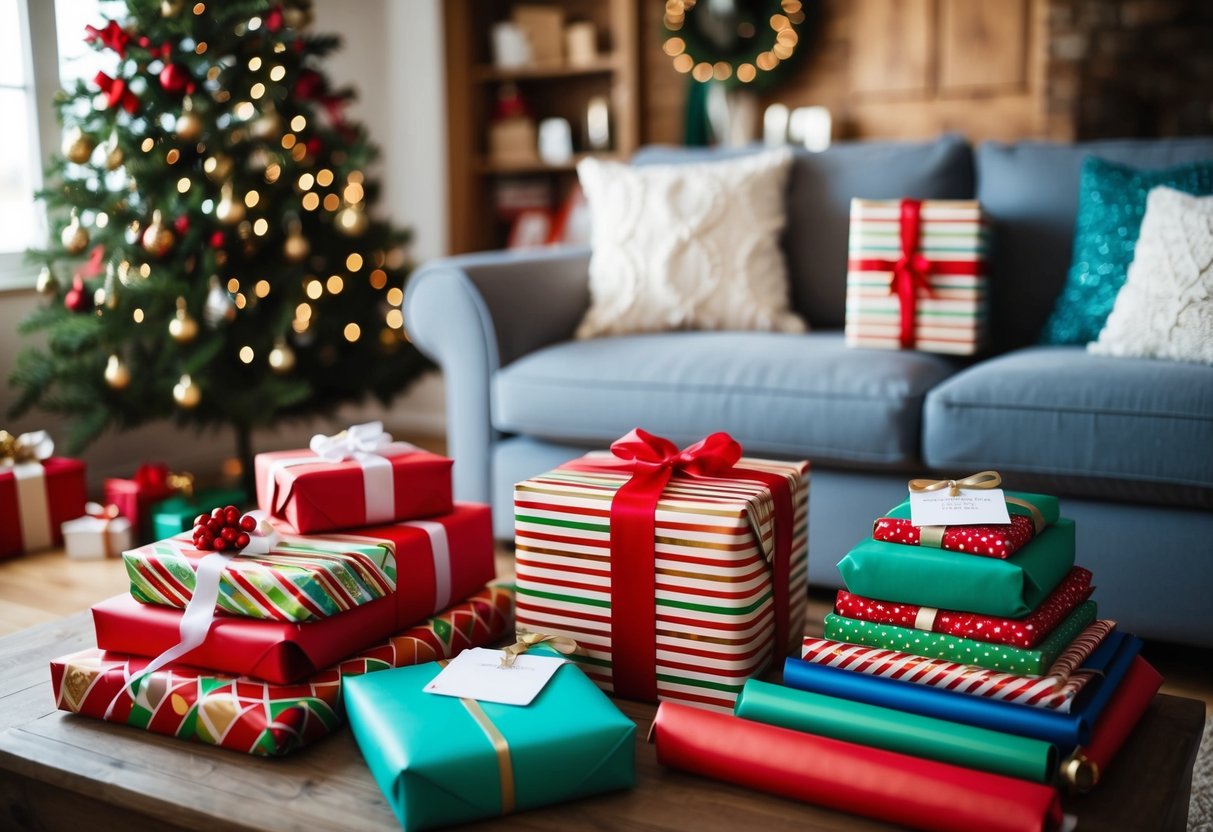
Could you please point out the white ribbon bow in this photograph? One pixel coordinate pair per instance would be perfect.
(37, 444)
(356, 440)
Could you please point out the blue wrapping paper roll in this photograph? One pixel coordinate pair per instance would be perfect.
(1066, 731)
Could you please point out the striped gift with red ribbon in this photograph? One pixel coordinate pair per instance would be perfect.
(916, 275)
(713, 552)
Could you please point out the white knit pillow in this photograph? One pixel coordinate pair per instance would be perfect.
(1165, 308)
(689, 246)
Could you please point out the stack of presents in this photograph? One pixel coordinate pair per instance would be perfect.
(965, 677)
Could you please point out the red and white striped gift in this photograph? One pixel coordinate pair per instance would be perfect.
(916, 275)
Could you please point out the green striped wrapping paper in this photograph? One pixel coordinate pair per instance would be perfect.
(1018, 660)
(303, 578)
(715, 603)
(954, 319)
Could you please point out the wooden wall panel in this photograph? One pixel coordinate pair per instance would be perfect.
(983, 45)
(892, 45)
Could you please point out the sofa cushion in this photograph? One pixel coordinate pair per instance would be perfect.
(820, 190)
(803, 395)
(1029, 192)
(1121, 428)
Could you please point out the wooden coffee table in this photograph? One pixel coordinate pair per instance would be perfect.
(63, 771)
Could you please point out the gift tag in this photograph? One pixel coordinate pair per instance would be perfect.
(974, 506)
(478, 674)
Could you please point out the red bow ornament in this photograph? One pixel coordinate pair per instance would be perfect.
(117, 93)
(111, 35)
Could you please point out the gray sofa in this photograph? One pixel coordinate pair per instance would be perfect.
(1127, 443)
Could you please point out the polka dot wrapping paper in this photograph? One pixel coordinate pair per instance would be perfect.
(964, 650)
(992, 541)
(1026, 632)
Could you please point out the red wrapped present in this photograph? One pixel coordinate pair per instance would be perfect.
(38, 493)
(1026, 632)
(359, 477)
(438, 562)
(252, 716)
(136, 496)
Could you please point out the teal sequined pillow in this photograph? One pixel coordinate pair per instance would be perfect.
(1111, 203)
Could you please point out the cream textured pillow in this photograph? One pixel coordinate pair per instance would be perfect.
(1165, 308)
(690, 246)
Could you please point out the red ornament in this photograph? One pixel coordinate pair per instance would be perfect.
(181, 225)
(223, 529)
(314, 146)
(218, 240)
(78, 298)
(273, 20)
(310, 84)
(175, 79)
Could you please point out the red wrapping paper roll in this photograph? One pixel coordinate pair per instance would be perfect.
(879, 784)
(1123, 711)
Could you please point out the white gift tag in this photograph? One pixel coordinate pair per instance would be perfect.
(478, 674)
(974, 506)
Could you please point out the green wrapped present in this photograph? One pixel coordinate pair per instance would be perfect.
(176, 514)
(1009, 588)
(441, 760)
(1021, 661)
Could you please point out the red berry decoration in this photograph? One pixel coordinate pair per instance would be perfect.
(181, 225)
(223, 529)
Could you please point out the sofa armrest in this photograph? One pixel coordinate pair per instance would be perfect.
(475, 313)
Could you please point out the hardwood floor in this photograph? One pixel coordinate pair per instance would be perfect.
(46, 586)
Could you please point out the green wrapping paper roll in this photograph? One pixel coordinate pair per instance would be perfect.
(893, 730)
(1009, 588)
(1025, 662)
(1047, 505)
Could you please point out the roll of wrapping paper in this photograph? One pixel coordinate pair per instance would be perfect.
(1065, 730)
(1024, 632)
(893, 730)
(1003, 657)
(1010, 588)
(992, 541)
(1124, 710)
(896, 788)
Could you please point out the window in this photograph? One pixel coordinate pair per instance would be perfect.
(31, 45)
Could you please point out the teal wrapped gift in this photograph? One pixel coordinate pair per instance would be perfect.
(1009, 588)
(441, 760)
(174, 515)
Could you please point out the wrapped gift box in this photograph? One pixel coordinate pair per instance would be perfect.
(36, 499)
(687, 609)
(1030, 514)
(1008, 588)
(99, 534)
(255, 717)
(916, 275)
(442, 760)
(1034, 661)
(135, 497)
(309, 493)
(299, 579)
(441, 560)
(176, 514)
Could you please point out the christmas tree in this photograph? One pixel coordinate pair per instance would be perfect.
(214, 261)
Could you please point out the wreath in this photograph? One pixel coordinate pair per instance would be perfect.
(745, 43)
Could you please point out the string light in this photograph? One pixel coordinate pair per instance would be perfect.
(252, 198)
(306, 181)
(335, 284)
(145, 270)
(172, 156)
(395, 318)
(147, 145)
(774, 44)
(378, 279)
(183, 185)
(261, 227)
(354, 262)
(352, 332)
(310, 202)
(314, 289)
(138, 316)
(240, 300)
(395, 295)
(246, 354)
(331, 202)
(298, 123)
(262, 288)
(324, 178)
(299, 152)
(199, 8)
(233, 285)
(277, 73)
(303, 312)
(257, 91)
(288, 141)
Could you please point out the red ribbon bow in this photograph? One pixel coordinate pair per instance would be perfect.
(112, 35)
(117, 94)
(107, 514)
(653, 461)
(152, 477)
(910, 271)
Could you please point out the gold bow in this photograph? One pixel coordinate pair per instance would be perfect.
(28, 447)
(183, 483)
(561, 644)
(983, 479)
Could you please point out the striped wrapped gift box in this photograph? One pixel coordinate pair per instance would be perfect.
(714, 602)
(951, 316)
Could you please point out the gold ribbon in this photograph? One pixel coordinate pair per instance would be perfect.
(982, 479)
(1079, 773)
(561, 644)
(501, 748)
(1038, 519)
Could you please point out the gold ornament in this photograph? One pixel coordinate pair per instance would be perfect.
(117, 375)
(296, 248)
(113, 153)
(282, 357)
(47, 284)
(352, 221)
(229, 211)
(74, 236)
(218, 168)
(297, 17)
(186, 393)
(77, 145)
(268, 125)
(158, 238)
(171, 8)
(189, 126)
(183, 328)
(99, 297)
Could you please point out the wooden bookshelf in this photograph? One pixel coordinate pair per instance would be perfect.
(563, 90)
